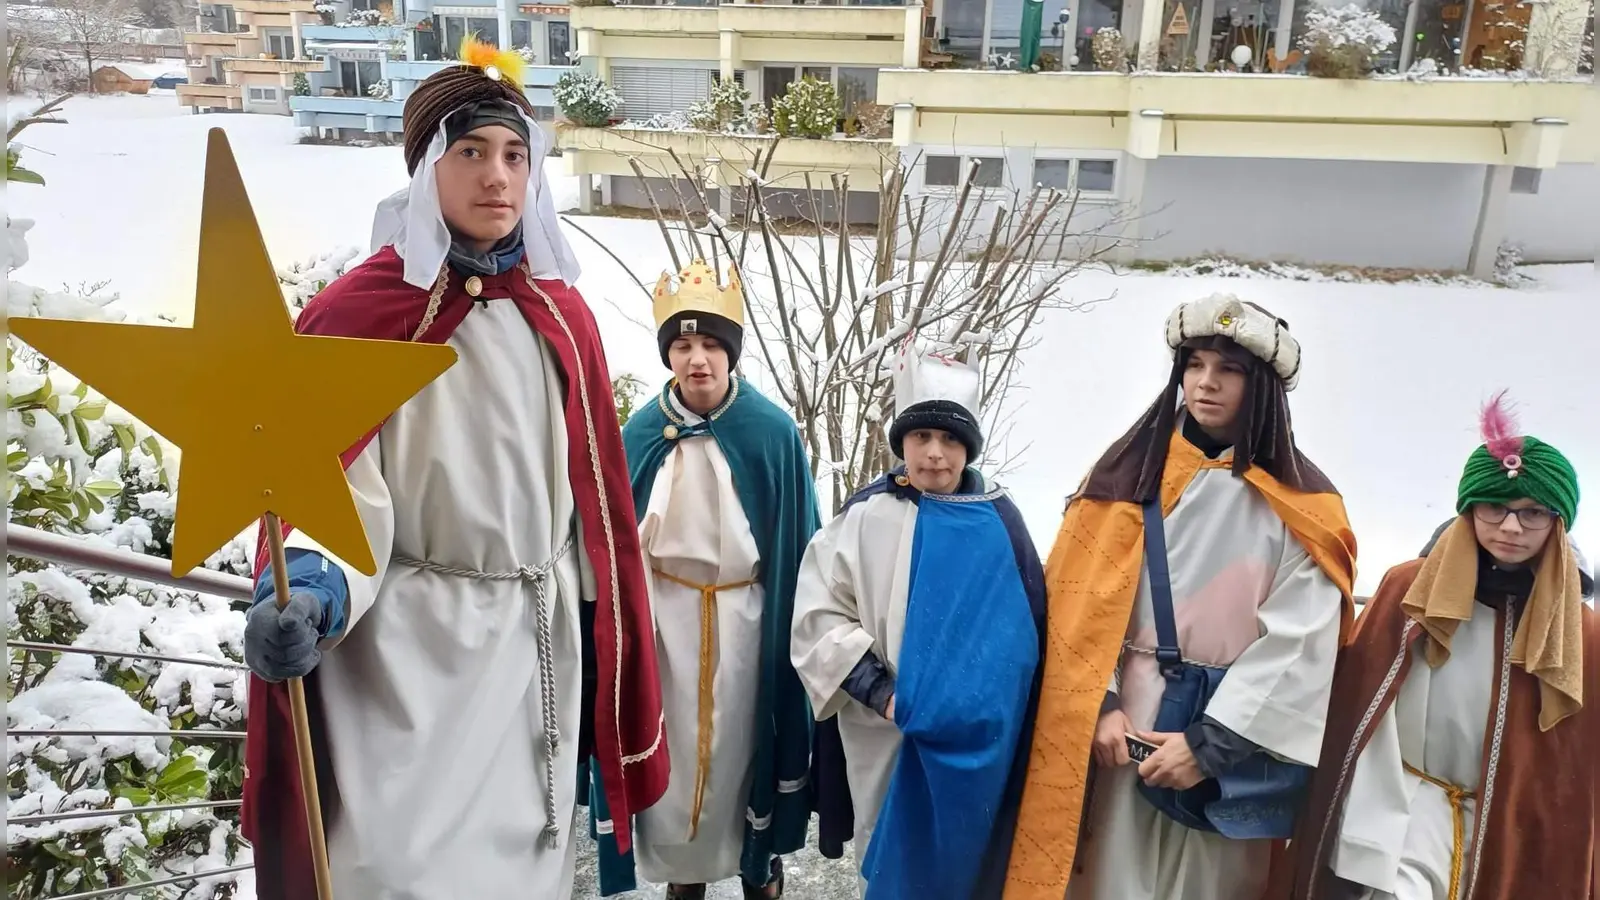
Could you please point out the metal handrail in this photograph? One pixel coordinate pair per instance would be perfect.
(185, 733)
(79, 553)
(41, 818)
(120, 654)
(176, 879)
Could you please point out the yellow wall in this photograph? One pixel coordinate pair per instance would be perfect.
(1464, 121)
(606, 151)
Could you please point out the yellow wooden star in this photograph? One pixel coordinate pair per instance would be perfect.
(260, 413)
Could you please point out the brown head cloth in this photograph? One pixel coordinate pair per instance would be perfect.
(1131, 469)
(444, 92)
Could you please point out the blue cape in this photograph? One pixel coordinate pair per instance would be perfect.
(772, 475)
(965, 698)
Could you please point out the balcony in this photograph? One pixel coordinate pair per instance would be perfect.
(211, 96)
(214, 38)
(1470, 121)
(274, 66)
(353, 34)
(607, 151)
(658, 21)
(849, 35)
(274, 7)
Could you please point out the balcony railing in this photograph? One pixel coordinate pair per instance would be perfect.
(77, 554)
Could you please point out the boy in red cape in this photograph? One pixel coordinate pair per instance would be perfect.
(507, 633)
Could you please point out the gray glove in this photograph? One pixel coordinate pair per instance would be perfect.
(280, 644)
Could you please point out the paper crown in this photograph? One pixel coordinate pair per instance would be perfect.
(920, 376)
(698, 291)
(497, 64)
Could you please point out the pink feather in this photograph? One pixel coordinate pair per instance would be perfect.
(1500, 429)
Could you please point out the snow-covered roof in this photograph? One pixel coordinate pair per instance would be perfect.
(145, 71)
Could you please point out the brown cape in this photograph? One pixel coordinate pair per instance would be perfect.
(1540, 838)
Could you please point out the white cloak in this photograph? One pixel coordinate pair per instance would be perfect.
(695, 529)
(850, 597)
(432, 696)
(1246, 595)
(1397, 836)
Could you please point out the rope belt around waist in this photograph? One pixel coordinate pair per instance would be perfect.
(708, 637)
(1458, 796)
(539, 578)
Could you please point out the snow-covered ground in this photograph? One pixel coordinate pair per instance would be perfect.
(1387, 403)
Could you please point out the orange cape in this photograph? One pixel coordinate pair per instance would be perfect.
(1092, 577)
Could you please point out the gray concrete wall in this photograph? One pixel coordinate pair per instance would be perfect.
(1380, 214)
(1561, 223)
(861, 207)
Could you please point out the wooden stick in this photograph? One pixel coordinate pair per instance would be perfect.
(302, 724)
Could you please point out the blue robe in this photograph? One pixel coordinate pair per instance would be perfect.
(965, 699)
(772, 475)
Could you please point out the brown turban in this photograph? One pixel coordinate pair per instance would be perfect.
(446, 91)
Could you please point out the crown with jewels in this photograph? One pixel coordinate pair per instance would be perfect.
(699, 291)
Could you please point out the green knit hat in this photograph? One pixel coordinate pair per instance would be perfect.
(1509, 466)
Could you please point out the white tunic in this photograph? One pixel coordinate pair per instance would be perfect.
(432, 697)
(1397, 836)
(695, 529)
(850, 597)
(1247, 595)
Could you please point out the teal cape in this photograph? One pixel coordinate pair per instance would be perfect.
(772, 475)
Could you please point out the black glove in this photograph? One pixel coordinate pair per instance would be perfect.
(280, 644)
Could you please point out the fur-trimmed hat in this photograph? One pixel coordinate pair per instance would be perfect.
(1249, 325)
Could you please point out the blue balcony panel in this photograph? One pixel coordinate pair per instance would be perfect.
(352, 34)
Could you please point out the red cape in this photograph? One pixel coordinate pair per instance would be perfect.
(373, 301)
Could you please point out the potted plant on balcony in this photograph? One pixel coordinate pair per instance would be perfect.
(1344, 42)
(585, 99)
(809, 108)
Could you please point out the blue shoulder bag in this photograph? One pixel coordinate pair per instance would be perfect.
(1255, 799)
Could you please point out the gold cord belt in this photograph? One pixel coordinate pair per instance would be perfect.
(1457, 796)
(708, 635)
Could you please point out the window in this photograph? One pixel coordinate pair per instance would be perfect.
(775, 80)
(856, 86)
(1053, 173)
(559, 37)
(521, 34)
(544, 113)
(1091, 176)
(356, 78)
(454, 28)
(262, 94)
(652, 91)
(279, 43)
(950, 171)
(941, 171)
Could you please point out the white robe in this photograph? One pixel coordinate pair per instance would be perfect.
(1397, 836)
(1247, 595)
(850, 597)
(695, 529)
(432, 695)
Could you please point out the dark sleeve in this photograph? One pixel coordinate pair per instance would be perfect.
(1215, 748)
(870, 683)
(1113, 701)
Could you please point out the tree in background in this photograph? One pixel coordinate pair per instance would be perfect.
(92, 28)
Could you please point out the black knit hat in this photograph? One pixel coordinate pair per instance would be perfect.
(727, 332)
(944, 415)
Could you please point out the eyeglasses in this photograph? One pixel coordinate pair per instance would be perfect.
(1531, 518)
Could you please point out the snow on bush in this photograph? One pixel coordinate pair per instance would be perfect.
(1344, 42)
(726, 110)
(809, 108)
(586, 99)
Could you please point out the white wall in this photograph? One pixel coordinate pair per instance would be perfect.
(1380, 214)
(1561, 223)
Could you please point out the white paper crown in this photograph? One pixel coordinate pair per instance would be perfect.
(920, 376)
(1251, 327)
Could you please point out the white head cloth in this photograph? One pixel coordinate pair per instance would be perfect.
(412, 221)
(921, 375)
(1223, 315)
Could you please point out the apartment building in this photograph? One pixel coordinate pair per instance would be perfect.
(1481, 129)
(344, 67)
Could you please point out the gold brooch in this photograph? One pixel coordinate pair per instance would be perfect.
(670, 432)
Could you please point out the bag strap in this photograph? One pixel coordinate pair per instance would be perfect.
(1168, 655)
